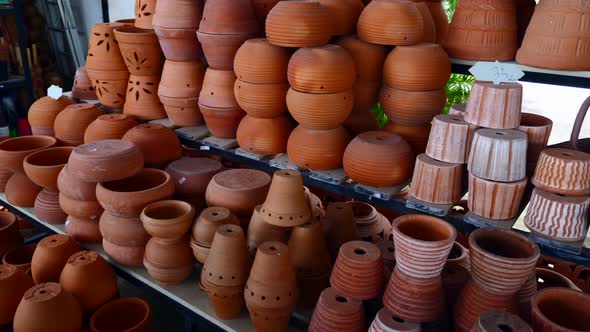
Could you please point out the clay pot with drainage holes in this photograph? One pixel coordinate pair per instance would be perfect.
(104, 54)
(140, 50)
(317, 149)
(13, 285)
(182, 112)
(204, 228)
(339, 226)
(298, 24)
(259, 62)
(228, 17)
(261, 100)
(10, 236)
(108, 126)
(110, 86)
(560, 309)
(358, 271)
(264, 136)
(563, 171)
(500, 321)
(182, 79)
(168, 260)
(128, 313)
(538, 130)
(142, 101)
(72, 122)
(192, 175)
(176, 24)
(168, 219)
(368, 58)
(83, 229)
(51, 256)
(286, 204)
(387, 322)
(218, 89)
(337, 313)
(149, 138)
(20, 256)
(54, 310)
(343, 14)
(260, 231)
(372, 226)
(320, 111)
(225, 271)
(178, 14)
(43, 112)
(390, 22)
(411, 108)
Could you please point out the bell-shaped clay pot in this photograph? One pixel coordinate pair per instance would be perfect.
(110, 86)
(83, 229)
(54, 310)
(48, 209)
(20, 257)
(320, 111)
(142, 100)
(259, 231)
(335, 312)
(228, 17)
(108, 126)
(144, 13)
(218, 89)
(222, 122)
(10, 236)
(324, 69)
(259, 62)
(51, 256)
(43, 166)
(391, 22)
(178, 14)
(264, 136)
(209, 220)
(103, 50)
(83, 88)
(220, 49)
(286, 204)
(560, 309)
(149, 137)
(71, 123)
(84, 269)
(13, 284)
(74, 188)
(343, 14)
(358, 271)
(412, 108)
(192, 175)
(317, 149)
(124, 238)
(369, 58)
(124, 314)
(168, 261)
(261, 100)
(168, 219)
(416, 136)
(43, 112)
(298, 24)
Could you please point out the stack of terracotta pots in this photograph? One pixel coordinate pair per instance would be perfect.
(259, 231)
(224, 27)
(176, 23)
(83, 88)
(261, 90)
(70, 125)
(203, 230)
(43, 112)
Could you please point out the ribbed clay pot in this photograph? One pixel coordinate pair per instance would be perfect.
(218, 89)
(142, 101)
(123, 238)
(335, 312)
(168, 219)
(257, 61)
(320, 111)
(83, 229)
(43, 112)
(220, 49)
(391, 22)
(108, 126)
(298, 24)
(144, 13)
(558, 171)
(83, 88)
(124, 314)
(343, 14)
(369, 58)
(10, 236)
(90, 279)
(179, 91)
(149, 137)
(379, 159)
(286, 204)
(203, 230)
(372, 225)
(259, 231)
(416, 136)
(48, 209)
(264, 136)
(71, 123)
(261, 100)
(560, 309)
(168, 261)
(317, 149)
(51, 256)
(13, 284)
(70, 186)
(54, 310)
(385, 321)
(20, 256)
(192, 175)
(412, 108)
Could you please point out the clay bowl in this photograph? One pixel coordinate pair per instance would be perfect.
(222, 122)
(10, 236)
(167, 219)
(83, 88)
(13, 285)
(140, 50)
(320, 111)
(412, 108)
(72, 122)
(560, 309)
(108, 126)
(343, 14)
(149, 137)
(14, 150)
(218, 89)
(317, 149)
(324, 69)
(264, 136)
(72, 187)
(298, 23)
(43, 111)
(390, 22)
(124, 314)
(20, 256)
(369, 58)
(257, 61)
(261, 100)
(179, 44)
(43, 167)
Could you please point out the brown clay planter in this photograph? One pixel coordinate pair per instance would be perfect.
(144, 13)
(43, 167)
(286, 204)
(149, 137)
(103, 50)
(51, 256)
(110, 86)
(320, 111)
(72, 122)
(204, 228)
(317, 149)
(264, 136)
(298, 24)
(218, 89)
(336, 313)
(181, 79)
(261, 100)
(71, 186)
(140, 50)
(178, 14)
(13, 284)
(229, 17)
(179, 44)
(168, 261)
(108, 126)
(142, 100)
(257, 61)
(390, 22)
(47, 207)
(344, 15)
(372, 226)
(192, 175)
(220, 49)
(168, 219)
(129, 313)
(560, 309)
(357, 261)
(491, 320)
(43, 112)
(369, 58)
(558, 171)
(222, 122)
(412, 108)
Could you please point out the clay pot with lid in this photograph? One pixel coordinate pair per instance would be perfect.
(72, 122)
(298, 24)
(10, 236)
(124, 314)
(412, 108)
(192, 175)
(168, 260)
(88, 268)
(144, 13)
(83, 88)
(385, 321)
(108, 126)
(378, 159)
(142, 101)
(54, 310)
(261, 100)
(259, 231)
(13, 285)
(320, 111)
(344, 15)
(149, 137)
(335, 312)
(286, 204)
(43, 112)
(560, 309)
(20, 256)
(369, 58)
(51, 256)
(264, 136)
(317, 149)
(257, 61)
(391, 22)
(168, 218)
(372, 226)
(203, 230)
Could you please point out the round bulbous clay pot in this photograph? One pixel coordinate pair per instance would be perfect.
(124, 314)
(179, 44)
(54, 310)
(317, 149)
(87, 208)
(150, 137)
(391, 22)
(144, 13)
(83, 229)
(222, 122)
(104, 54)
(183, 112)
(323, 69)
(83, 88)
(110, 86)
(10, 236)
(257, 61)
(71, 123)
(108, 126)
(142, 100)
(261, 100)
(412, 108)
(220, 49)
(218, 89)
(13, 285)
(43, 112)
(343, 14)
(320, 111)
(416, 136)
(440, 19)
(123, 238)
(298, 24)
(48, 209)
(20, 257)
(168, 219)
(560, 309)
(168, 261)
(51, 256)
(264, 136)
(43, 167)
(368, 58)
(191, 176)
(178, 14)
(84, 269)
(228, 17)
(379, 159)
(181, 79)
(74, 188)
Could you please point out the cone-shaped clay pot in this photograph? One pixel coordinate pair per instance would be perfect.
(298, 24)
(335, 312)
(259, 62)
(108, 126)
(124, 314)
(168, 261)
(90, 279)
(385, 321)
(168, 219)
(391, 22)
(51, 256)
(10, 236)
(54, 310)
(142, 101)
(344, 15)
(286, 204)
(320, 111)
(149, 137)
(259, 231)
(264, 136)
(358, 271)
(372, 225)
(43, 112)
(317, 149)
(83, 88)
(339, 226)
(71, 123)
(369, 58)
(140, 50)
(209, 220)
(13, 284)
(83, 229)
(20, 256)
(192, 175)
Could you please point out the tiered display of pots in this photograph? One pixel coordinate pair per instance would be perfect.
(261, 90)
(20, 190)
(83, 88)
(50, 257)
(494, 251)
(191, 176)
(422, 245)
(43, 112)
(203, 230)
(72, 122)
(337, 313)
(108, 126)
(168, 257)
(150, 138)
(13, 284)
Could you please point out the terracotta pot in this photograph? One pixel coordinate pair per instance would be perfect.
(440, 19)
(127, 21)
(261, 100)
(43, 167)
(203, 230)
(390, 22)
(179, 44)
(4, 176)
(222, 122)
(124, 238)
(262, 8)
(385, 321)
(483, 31)
(192, 175)
(495, 200)
(545, 278)
(560, 309)
(51, 256)
(140, 50)
(14, 150)
(181, 79)
(317, 149)
(178, 14)
(43, 112)
(72, 122)
(183, 112)
(286, 204)
(218, 89)
(428, 25)
(47, 207)
(371, 225)
(54, 310)
(104, 54)
(324, 69)
(563, 171)
(20, 191)
(110, 86)
(448, 129)
(87, 209)
(74, 188)
(83, 88)
(298, 24)
(168, 261)
(416, 136)
(10, 236)
(337, 313)
(339, 226)
(87, 268)
(168, 219)
(83, 229)
(220, 49)
(108, 126)
(524, 13)
(412, 108)
(13, 284)
(358, 271)
(508, 163)
(200, 254)
(438, 182)
(264, 136)
(20, 256)
(239, 190)
(459, 256)
(149, 137)
(482, 98)
(129, 314)
(538, 129)
(320, 111)
(379, 159)
(361, 120)
(489, 321)
(421, 67)
(454, 279)
(257, 61)
(142, 101)
(317, 207)
(228, 17)
(369, 58)
(344, 15)
(144, 13)
(259, 231)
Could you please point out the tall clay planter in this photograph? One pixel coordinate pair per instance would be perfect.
(176, 23)
(43, 112)
(140, 50)
(149, 137)
(72, 122)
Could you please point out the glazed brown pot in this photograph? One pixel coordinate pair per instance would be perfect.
(218, 89)
(168, 219)
(10, 236)
(178, 14)
(320, 111)
(343, 14)
(220, 49)
(103, 50)
(390, 22)
(298, 24)
(51, 256)
(108, 126)
(43, 112)
(228, 17)
(110, 86)
(257, 61)
(71, 123)
(144, 13)
(192, 175)
(412, 108)
(179, 44)
(128, 313)
(317, 149)
(264, 136)
(43, 167)
(261, 100)
(13, 285)
(83, 88)
(168, 261)
(142, 100)
(222, 122)
(369, 58)
(149, 137)
(140, 50)
(560, 309)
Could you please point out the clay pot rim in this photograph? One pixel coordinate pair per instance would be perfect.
(51, 152)
(556, 275)
(131, 30)
(126, 21)
(114, 117)
(20, 251)
(566, 297)
(186, 208)
(463, 253)
(176, 33)
(7, 220)
(106, 186)
(531, 120)
(113, 305)
(421, 220)
(39, 139)
(501, 237)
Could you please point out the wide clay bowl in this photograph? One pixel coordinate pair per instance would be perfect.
(298, 23)
(317, 149)
(72, 122)
(167, 219)
(124, 314)
(264, 136)
(108, 126)
(238, 190)
(391, 22)
(43, 167)
(320, 111)
(149, 137)
(560, 309)
(323, 69)
(13, 285)
(129, 196)
(14, 150)
(257, 61)
(140, 50)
